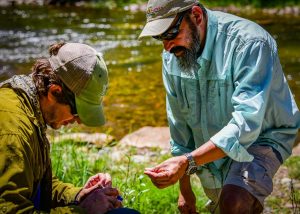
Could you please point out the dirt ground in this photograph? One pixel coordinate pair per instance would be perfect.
(280, 199)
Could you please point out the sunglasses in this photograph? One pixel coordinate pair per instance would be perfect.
(171, 33)
(70, 97)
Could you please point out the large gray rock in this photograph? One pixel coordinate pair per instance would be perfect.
(148, 137)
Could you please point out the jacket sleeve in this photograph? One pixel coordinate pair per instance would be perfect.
(63, 193)
(16, 177)
(17, 180)
(63, 196)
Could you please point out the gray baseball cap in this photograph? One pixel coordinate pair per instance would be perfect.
(161, 13)
(82, 69)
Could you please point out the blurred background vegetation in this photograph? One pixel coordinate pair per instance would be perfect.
(118, 3)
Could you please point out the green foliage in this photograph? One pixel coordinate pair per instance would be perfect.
(293, 163)
(115, 3)
(75, 163)
(255, 3)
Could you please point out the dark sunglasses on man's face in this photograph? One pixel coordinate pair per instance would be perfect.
(172, 32)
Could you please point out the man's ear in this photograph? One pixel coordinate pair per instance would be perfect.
(197, 14)
(53, 91)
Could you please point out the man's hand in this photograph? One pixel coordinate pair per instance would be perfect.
(186, 199)
(187, 203)
(168, 172)
(101, 200)
(99, 180)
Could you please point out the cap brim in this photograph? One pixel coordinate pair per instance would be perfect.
(90, 114)
(157, 27)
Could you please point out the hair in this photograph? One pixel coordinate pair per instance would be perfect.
(202, 8)
(198, 5)
(43, 75)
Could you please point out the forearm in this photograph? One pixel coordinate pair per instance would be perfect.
(207, 153)
(185, 184)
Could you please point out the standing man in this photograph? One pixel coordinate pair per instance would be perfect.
(67, 87)
(232, 117)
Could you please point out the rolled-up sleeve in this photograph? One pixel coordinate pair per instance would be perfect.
(253, 74)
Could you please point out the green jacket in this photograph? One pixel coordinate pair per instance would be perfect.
(26, 181)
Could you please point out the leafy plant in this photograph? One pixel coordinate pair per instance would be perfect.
(75, 163)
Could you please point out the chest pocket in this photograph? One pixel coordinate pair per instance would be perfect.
(218, 102)
(191, 96)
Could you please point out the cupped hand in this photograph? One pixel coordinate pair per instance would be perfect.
(99, 180)
(168, 172)
(101, 200)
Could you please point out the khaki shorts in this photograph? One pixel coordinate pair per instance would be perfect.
(256, 176)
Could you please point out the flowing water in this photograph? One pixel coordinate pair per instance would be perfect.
(136, 97)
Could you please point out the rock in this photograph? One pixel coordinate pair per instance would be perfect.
(296, 150)
(148, 137)
(286, 181)
(99, 139)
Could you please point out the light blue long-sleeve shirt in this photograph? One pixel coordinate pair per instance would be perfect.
(237, 97)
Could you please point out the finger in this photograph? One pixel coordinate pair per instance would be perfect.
(162, 176)
(156, 169)
(114, 201)
(150, 169)
(162, 186)
(109, 191)
(151, 173)
(118, 204)
(107, 182)
(93, 180)
(90, 189)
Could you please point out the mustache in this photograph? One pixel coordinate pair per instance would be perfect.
(177, 49)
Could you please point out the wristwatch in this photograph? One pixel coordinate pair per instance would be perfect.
(192, 167)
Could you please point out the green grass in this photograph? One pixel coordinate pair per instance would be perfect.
(241, 3)
(75, 163)
(293, 163)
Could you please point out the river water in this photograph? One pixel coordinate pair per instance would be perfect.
(136, 96)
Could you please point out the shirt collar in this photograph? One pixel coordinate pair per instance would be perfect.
(26, 84)
(212, 28)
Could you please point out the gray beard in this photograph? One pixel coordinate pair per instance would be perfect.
(188, 61)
